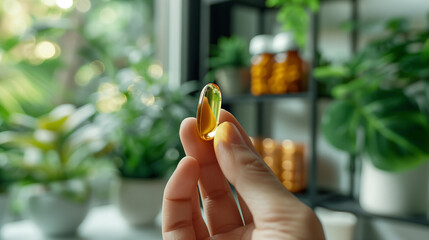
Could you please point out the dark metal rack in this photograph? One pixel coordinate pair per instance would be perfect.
(248, 98)
(338, 202)
(208, 34)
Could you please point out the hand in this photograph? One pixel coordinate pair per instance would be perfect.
(269, 210)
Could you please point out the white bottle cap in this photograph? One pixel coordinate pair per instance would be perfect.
(284, 42)
(261, 44)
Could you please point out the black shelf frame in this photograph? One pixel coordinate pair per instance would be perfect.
(249, 3)
(313, 196)
(249, 98)
(342, 203)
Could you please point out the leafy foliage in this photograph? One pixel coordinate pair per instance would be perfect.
(230, 52)
(381, 101)
(145, 128)
(53, 147)
(5, 174)
(294, 17)
(95, 62)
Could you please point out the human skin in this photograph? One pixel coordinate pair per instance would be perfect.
(269, 210)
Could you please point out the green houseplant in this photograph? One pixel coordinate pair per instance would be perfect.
(229, 65)
(52, 154)
(144, 129)
(293, 16)
(380, 112)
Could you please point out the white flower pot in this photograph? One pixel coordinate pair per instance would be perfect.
(394, 193)
(59, 207)
(4, 201)
(337, 225)
(140, 200)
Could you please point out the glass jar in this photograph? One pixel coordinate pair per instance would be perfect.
(288, 74)
(262, 62)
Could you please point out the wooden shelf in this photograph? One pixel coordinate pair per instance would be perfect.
(249, 98)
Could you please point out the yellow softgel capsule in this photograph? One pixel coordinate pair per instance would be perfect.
(208, 111)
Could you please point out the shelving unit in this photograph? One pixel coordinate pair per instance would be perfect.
(208, 34)
(210, 10)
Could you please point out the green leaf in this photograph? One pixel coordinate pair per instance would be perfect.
(56, 119)
(397, 24)
(313, 5)
(346, 89)
(78, 117)
(295, 18)
(396, 132)
(425, 50)
(10, 43)
(397, 136)
(274, 3)
(398, 142)
(427, 20)
(340, 122)
(331, 72)
(24, 140)
(230, 52)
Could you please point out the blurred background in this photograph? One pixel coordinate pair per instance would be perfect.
(334, 93)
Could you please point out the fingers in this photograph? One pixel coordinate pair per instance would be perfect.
(225, 116)
(200, 227)
(247, 215)
(179, 211)
(275, 211)
(219, 205)
(252, 178)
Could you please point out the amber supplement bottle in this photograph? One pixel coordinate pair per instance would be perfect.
(262, 62)
(288, 69)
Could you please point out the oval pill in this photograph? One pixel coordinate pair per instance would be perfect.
(208, 111)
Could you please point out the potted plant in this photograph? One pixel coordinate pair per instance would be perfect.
(53, 163)
(144, 129)
(380, 112)
(230, 65)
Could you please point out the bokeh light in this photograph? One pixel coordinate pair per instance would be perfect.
(45, 50)
(12, 7)
(108, 15)
(64, 4)
(84, 75)
(110, 99)
(97, 66)
(148, 100)
(49, 3)
(83, 6)
(155, 71)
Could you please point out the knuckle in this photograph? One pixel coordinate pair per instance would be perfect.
(177, 225)
(250, 161)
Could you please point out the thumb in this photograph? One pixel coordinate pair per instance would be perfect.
(249, 174)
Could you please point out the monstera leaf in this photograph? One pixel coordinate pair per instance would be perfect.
(396, 133)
